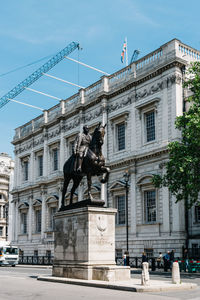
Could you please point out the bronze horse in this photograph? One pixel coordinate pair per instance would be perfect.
(93, 164)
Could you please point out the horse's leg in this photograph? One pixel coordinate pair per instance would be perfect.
(106, 172)
(65, 185)
(76, 182)
(89, 182)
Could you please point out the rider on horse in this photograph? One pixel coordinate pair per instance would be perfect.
(81, 146)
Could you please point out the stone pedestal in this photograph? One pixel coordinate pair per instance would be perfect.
(85, 245)
(176, 273)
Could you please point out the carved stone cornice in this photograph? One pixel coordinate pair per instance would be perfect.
(120, 104)
(93, 115)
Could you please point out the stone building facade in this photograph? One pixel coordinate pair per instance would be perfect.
(6, 179)
(139, 104)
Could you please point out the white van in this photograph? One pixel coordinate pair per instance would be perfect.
(9, 255)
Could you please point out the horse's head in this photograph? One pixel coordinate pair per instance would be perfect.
(98, 136)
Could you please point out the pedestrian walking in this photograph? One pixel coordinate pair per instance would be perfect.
(159, 260)
(166, 259)
(144, 257)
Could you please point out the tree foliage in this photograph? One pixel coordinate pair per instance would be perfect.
(182, 175)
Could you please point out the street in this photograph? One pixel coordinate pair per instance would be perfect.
(21, 283)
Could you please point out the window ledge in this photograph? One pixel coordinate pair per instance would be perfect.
(147, 224)
(23, 234)
(149, 143)
(120, 151)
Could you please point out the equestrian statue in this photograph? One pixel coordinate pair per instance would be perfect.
(87, 160)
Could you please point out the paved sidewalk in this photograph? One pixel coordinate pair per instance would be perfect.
(133, 285)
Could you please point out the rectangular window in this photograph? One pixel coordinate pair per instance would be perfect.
(1, 230)
(197, 214)
(120, 205)
(25, 170)
(150, 126)
(150, 206)
(149, 252)
(118, 253)
(35, 252)
(51, 220)
(4, 212)
(24, 223)
(38, 220)
(71, 148)
(55, 159)
(121, 136)
(40, 165)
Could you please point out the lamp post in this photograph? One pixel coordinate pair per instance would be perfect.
(126, 179)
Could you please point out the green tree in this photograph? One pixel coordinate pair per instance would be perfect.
(182, 175)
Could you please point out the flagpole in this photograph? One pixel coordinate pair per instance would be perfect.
(126, 51)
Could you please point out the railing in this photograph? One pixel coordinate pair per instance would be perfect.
(93, 88)
(71, 101)
(185, 50)
(35, 260)
(37, 122)
(149, 59)
(26, 129)
(53, 112)
(122, 74)
(136, 262)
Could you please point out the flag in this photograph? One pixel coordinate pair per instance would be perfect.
(123, 52)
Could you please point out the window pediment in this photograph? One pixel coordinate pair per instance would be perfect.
(117, 186)
(123, 115)
(146, 104)
(52, 199)
(37, 203)
(23, 205)
(145, 180)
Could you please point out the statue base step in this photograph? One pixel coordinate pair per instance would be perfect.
(84, 203)
(100, 272)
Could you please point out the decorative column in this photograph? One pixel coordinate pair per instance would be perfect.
(60, 186)
(16, 220)
(32, 167)
(132, 205)
(30, 212)
(43, 227)
(62, 146)
(45, 159)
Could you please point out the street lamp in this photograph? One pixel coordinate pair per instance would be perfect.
(126, 180)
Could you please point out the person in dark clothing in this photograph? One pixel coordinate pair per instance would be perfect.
(144, 257)
(171, 258)
(166, 259)
(186, 259)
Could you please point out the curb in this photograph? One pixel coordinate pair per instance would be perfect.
(123, 286)
(34, 266)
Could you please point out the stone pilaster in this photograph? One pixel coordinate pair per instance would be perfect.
(30, 213)
(43, 227)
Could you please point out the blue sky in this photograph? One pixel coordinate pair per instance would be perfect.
(32, 29)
